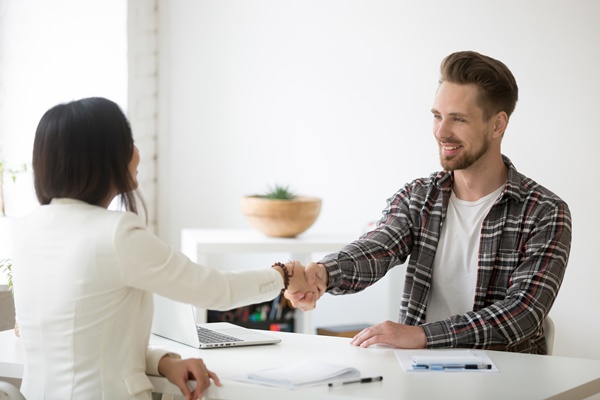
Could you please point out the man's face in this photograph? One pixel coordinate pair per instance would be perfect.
(462, 134)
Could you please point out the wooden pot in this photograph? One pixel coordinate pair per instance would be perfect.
(281, 218)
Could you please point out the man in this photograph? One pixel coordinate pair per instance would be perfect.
(488, 246)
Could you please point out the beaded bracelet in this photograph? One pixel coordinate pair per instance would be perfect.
(286, 274)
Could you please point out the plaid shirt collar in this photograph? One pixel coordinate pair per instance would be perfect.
(443, 180)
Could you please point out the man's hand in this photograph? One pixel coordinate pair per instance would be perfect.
(179, 371)
(316, 278)
(317, 274)
(393, 334)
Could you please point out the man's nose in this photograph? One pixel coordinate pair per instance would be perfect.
(441, 130)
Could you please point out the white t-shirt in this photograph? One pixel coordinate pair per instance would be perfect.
(456, 259)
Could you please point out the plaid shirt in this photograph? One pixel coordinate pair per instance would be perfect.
(523, 253)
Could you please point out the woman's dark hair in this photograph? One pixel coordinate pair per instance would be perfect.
(498, 90)
(82, 151)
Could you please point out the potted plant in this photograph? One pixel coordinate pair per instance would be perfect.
(280, 212)
(6, 223)
(13, 175)
(6, 268)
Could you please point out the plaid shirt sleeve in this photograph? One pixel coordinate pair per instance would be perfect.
(363, 262)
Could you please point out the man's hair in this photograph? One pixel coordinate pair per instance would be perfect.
(82, 151)
(498, 90)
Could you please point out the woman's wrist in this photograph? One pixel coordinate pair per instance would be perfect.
(165, 361)
(286, 273)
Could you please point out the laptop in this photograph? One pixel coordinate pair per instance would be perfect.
(176, 321)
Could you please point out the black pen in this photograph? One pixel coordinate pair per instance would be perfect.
(361, 380)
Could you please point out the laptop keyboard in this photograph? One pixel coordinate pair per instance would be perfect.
(208, 336)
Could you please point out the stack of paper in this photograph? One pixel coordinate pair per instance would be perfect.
(303, 374)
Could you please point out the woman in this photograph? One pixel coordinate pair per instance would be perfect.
(84, 276)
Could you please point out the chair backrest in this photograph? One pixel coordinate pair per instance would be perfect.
(548, 326)
(9, 392)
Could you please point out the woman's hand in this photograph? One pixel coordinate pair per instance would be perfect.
(179, 371)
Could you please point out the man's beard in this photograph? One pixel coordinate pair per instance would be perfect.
(464, 161)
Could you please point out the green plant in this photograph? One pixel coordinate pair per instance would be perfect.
(279, 192)
(13, 175)
(6, 267)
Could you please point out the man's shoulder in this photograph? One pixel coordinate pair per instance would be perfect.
(524, 189)
(534, 201)
(528, 189)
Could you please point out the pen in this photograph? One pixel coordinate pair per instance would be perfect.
(362, 380)
(438, 367)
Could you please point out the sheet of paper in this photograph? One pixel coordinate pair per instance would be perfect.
(409, 358)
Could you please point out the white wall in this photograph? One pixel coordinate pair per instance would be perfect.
(52, 52)
(333, 98)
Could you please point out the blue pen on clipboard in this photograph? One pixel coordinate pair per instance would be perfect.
(442, 367)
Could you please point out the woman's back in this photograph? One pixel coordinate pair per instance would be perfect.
(80, 322)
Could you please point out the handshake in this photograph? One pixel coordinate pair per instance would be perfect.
(306, 284)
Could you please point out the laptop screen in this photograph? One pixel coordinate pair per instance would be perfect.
(175, 321)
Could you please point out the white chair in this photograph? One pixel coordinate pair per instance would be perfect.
(548, 326)
(9, 392)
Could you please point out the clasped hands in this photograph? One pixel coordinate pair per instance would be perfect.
(309, 283)
(306, 284)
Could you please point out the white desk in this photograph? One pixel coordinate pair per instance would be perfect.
(199, 244)
(521, 376)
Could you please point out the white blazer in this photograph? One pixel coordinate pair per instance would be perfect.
(83, 282)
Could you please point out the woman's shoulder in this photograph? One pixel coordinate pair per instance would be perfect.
(75, 213)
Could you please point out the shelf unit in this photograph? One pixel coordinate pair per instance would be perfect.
(276, 315)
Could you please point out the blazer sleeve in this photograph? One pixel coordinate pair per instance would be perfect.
(150, 264)
(153, 356)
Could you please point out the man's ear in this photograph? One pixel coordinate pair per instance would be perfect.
(500, 123)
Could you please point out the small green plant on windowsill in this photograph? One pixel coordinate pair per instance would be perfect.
(13, 176)
(6, 268)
